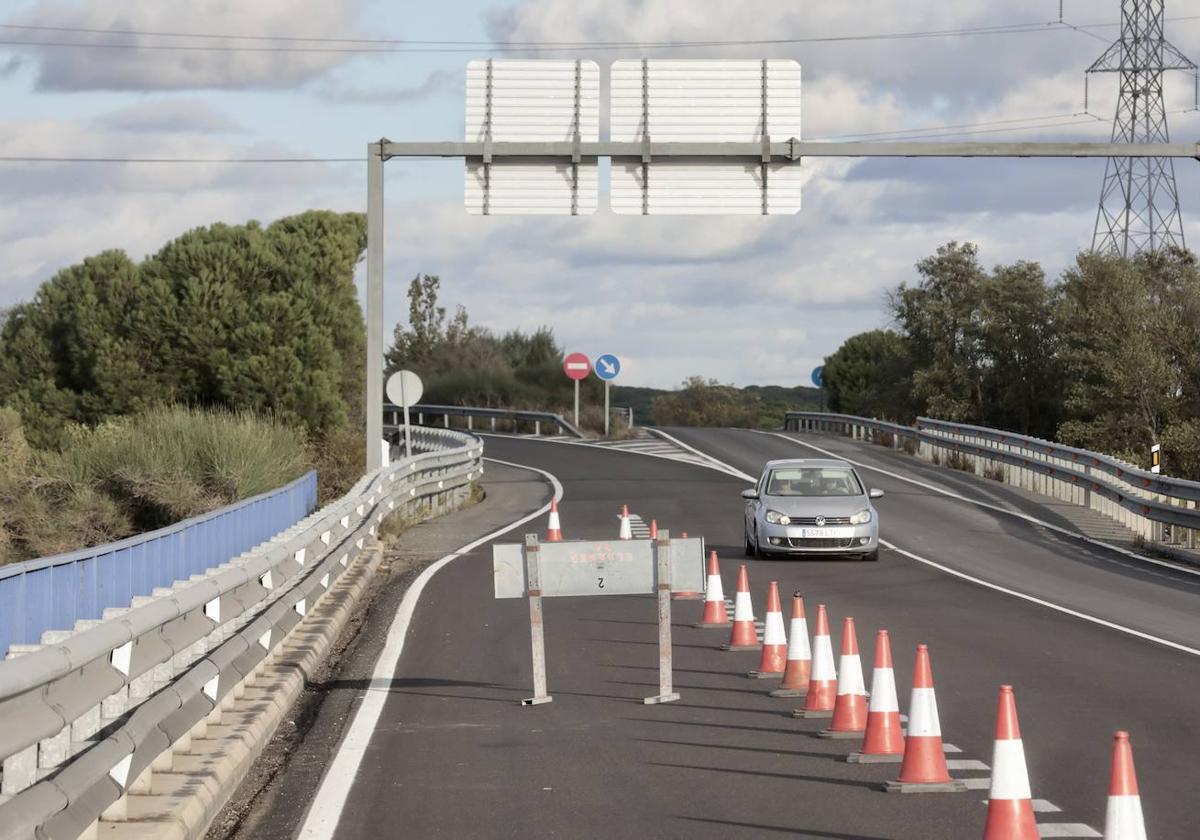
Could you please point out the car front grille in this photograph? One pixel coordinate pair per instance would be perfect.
(797, 542)
(812, 520)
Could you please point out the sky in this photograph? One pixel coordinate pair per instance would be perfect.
(746, 300)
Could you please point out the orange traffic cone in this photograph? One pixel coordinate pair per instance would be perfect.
(774, 644)
(553, 527)
(850, 708)
(799, 657)
(1010, 805)
(715, 612)
(744, 636)
(822, 685)
(923, 768)
(626, 532)
(1123, 820)
(882, 743)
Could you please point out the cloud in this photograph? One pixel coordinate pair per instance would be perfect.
(177, 67)
(341, 93)
(189, 116)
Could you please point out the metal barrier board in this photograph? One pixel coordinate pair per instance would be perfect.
(584, 567)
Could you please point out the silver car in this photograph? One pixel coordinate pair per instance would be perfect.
(811, 506)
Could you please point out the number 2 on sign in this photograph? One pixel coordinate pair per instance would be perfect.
(601, 582)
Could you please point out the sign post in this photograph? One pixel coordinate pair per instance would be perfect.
(578, 568)
(577, 366)
(608, 367)
(404, 388)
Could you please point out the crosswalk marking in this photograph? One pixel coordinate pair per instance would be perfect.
(1067, 830)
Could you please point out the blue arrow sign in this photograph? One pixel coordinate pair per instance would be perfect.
(607, 367)
(818, 376)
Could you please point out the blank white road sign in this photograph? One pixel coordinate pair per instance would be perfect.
(510, 100)
(705, 101)
(618, 567)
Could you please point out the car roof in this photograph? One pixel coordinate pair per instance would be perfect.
(806, 462)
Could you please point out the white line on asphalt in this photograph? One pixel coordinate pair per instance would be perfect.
(1141, 558)
(734, 471)
(1067, 830)
(320, 823)
(994, 586)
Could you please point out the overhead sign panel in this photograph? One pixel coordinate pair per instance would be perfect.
(712, 101)
(532, 101)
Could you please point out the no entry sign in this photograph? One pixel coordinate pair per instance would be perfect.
(577, 366)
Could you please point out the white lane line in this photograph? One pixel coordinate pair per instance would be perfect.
(965, 764)
(320, 823)
(734, 471)
(984, 783)
(1141, 558)
(1067, 830)
(994, 586)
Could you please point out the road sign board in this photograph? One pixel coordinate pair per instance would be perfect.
(619, 567)
(710, 100)
(608, 367)
(404, 388)
(577, 366)
(818, 376)
(512, 100)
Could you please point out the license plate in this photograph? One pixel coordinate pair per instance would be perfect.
(827, 533)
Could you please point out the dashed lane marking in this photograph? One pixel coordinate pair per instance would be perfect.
(321, 821)
(1067, 830)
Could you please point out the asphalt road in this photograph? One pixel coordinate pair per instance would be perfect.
(456, 756)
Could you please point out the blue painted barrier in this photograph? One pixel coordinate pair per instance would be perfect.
(52, 593)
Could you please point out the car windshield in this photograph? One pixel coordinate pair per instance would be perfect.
(813, 481)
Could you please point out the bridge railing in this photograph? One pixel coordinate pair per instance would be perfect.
(1157, 508)
(90, 712)
(54, 592)
(480, 419)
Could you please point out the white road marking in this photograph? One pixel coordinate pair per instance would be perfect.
(321, 821)
(1141, 558)
(1067, 830)
(984, 783)
(965, 764)
(734, 471)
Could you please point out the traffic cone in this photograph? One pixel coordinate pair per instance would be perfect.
(774, 644)
(554, 528)
(1123, 820)
(653, 529)
(744, 636)
(626, 532)
(850, 708)
(882, 743)
(715, 612)
(923, 768)
(691, 595)
(1010, 805)
(822, 685)
(799, 656)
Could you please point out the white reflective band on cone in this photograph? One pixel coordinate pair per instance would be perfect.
(773, 630)
(1123, 820)
(822, 662)
(883, 691)
(923, 715)
(715, 592)
(1009, 777)
(743, 610)
(851, 681)
(798, 641)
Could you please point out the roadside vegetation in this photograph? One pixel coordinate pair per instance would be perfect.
(1106, 357)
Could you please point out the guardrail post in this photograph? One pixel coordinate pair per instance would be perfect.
(493, 424)
(470, 423)
(19, 770)
(446, 420)
(537, 427)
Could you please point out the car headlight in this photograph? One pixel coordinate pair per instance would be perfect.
(861, 518)
(777, 518)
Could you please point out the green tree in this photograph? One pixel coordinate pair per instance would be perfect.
(871, 375)
(706, 402)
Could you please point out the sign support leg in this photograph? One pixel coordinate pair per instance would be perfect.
(606, 409)
(407, 433)
(577, 403)
(536, 628)
(666, 689)
(374, 313)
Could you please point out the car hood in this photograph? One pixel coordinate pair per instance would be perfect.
(816, 505)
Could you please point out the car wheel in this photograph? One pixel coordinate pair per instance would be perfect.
(749, 550)
(872, 557)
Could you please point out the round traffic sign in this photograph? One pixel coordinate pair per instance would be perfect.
(608, 367)
(818, 376)
(404, 388)
(577, 366)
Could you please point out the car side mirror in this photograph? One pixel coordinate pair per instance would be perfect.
(875, 493)
(749, 494)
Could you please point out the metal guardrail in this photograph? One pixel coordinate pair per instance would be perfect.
(1139, 500)
(55, 592)
(393, 418)
(85, 715)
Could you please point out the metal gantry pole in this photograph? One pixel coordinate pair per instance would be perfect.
(374, 313)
